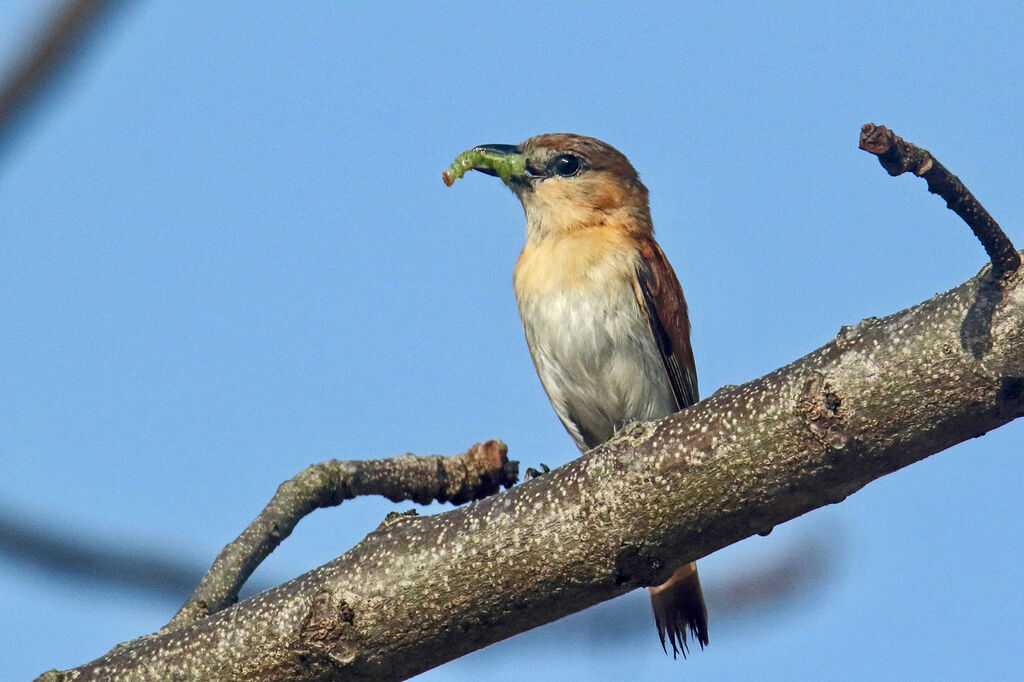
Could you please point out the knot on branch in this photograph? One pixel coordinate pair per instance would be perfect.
(1010, 396)
(327, 621)
(822, 409)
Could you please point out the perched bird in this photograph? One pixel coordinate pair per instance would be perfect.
(604, 315)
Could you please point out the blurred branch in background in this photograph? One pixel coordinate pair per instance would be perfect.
(796, 570)
(123, 565)
(739, 599)
(129, 567)
(66, 555)
(48, 56)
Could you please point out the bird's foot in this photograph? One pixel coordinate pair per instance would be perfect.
(532, 473)
(623, 423)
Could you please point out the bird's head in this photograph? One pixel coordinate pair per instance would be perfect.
(565, 182)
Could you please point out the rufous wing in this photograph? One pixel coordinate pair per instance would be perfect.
(661, 299)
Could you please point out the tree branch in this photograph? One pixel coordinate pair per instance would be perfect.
(418, 592)
(472, 475)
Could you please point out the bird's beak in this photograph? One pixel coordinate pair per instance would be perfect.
(505, 161)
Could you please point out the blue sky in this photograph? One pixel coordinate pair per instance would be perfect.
(226, 252)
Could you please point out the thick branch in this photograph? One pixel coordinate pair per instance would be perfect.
(421, 591)
(472, 475)
(898, 156)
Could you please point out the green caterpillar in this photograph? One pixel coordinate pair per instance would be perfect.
(505, 165)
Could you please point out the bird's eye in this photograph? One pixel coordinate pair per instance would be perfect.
(566, 165)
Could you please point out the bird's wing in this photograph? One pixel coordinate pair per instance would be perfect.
(661, 299)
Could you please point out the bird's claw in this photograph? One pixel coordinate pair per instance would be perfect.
(623, 423)
(532, 473)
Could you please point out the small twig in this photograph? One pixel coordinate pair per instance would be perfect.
(476, 473)
(898, 156)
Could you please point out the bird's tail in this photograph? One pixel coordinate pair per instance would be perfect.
(678, 605)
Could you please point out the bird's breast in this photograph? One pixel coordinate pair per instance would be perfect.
(590, 341)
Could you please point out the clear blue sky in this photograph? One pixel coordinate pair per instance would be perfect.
(226, 252)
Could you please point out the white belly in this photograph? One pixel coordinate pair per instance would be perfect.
(596, 357)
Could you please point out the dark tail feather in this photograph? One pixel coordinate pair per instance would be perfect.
(678, 605)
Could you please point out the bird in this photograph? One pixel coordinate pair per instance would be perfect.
(604, 315)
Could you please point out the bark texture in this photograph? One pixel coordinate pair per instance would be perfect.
(420, 591)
